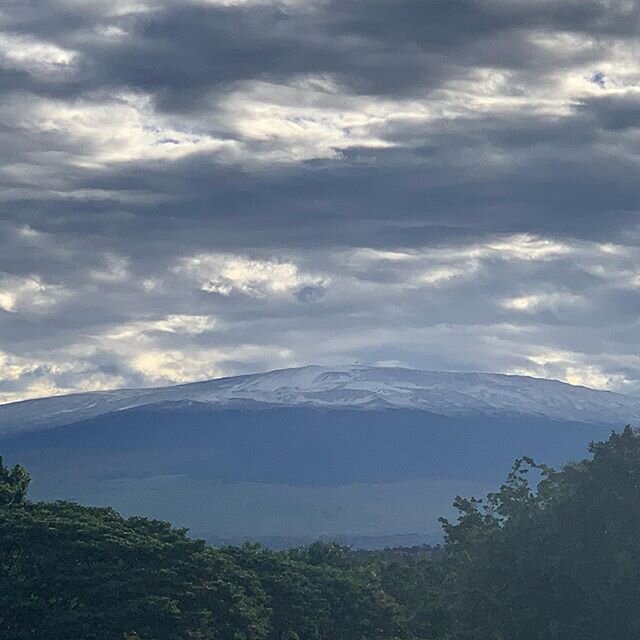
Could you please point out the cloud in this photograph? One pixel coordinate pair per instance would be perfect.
(37, 57)
(229, 274)
(170, 367)
(114, 269)
(174, 324)
(212, 187)
(541, 301)
(28, 294)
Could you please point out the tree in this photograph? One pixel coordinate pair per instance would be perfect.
(558, 561)
(320, 592)
(14, 484)
(68, 571)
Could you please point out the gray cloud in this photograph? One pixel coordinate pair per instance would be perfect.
(192, 189)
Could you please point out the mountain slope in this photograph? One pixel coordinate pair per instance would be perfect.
(291, 473)
(443, 393)
(351, 453)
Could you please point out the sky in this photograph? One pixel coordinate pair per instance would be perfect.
(198, 188)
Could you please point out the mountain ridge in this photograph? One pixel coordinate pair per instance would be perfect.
(348, 386)
(297, 453)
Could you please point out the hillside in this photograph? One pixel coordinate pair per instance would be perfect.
(353, 386)
(549, 554)
(288, 456)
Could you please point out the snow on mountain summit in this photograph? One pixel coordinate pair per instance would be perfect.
(351, 386)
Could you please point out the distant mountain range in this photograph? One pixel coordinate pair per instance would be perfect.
(352, 452)
(353, 387)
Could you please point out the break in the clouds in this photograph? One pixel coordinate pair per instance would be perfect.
(198, 188)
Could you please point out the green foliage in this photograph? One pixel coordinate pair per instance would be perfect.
(551, 555)
(74, 572)
(316, 600)
(414, 581)
(68, 571)
(14, 484)
(558, 561)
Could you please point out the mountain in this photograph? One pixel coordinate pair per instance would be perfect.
(354, 453)
(372, 388)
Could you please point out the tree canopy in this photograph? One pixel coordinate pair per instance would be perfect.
(552, 554)
(560, 560)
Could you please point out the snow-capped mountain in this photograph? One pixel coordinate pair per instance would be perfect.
(353, 386)
(341, 451)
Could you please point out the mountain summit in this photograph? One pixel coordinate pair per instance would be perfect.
(369, 455)
(351, 386)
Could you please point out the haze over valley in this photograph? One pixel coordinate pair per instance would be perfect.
(366, 455)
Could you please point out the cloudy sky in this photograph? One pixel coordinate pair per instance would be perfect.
(196, 188)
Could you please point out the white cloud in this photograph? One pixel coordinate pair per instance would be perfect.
(29, 294)
(542, 301)
(524, 247)
(40, 374)
(114, 8)
(186, 365)
(15, 367)
(179, 324)
(441, 266)
(121, 8)
(312, 117)
(442, 275)
(227, 274)
(38, 57)
(573, 367)
(110, 129)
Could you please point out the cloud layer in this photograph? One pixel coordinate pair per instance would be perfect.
(199, 188)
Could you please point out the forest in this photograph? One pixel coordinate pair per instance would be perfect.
(552, 554)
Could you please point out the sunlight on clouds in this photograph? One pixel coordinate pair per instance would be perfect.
(174, 324)
(559, 87)
(49, 385)
(363, 256)
(311, 118)
(26, 231)
(160, 349)
(592, 376)
(541, 301)
(227, 274)
(35, 56)
(189, 324)
(14, 368)
(525, 247)
(617, 275)
(187, 365)
(442, 265)
(97, 120)
(573, 368)
(374, 288)
(42, 375)
(565, 44)
(619, 68)
(490, 91)
(120, 8)
(117, 129)
(172, 366)
(29, 294)
(115, 8)
(441, 275)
